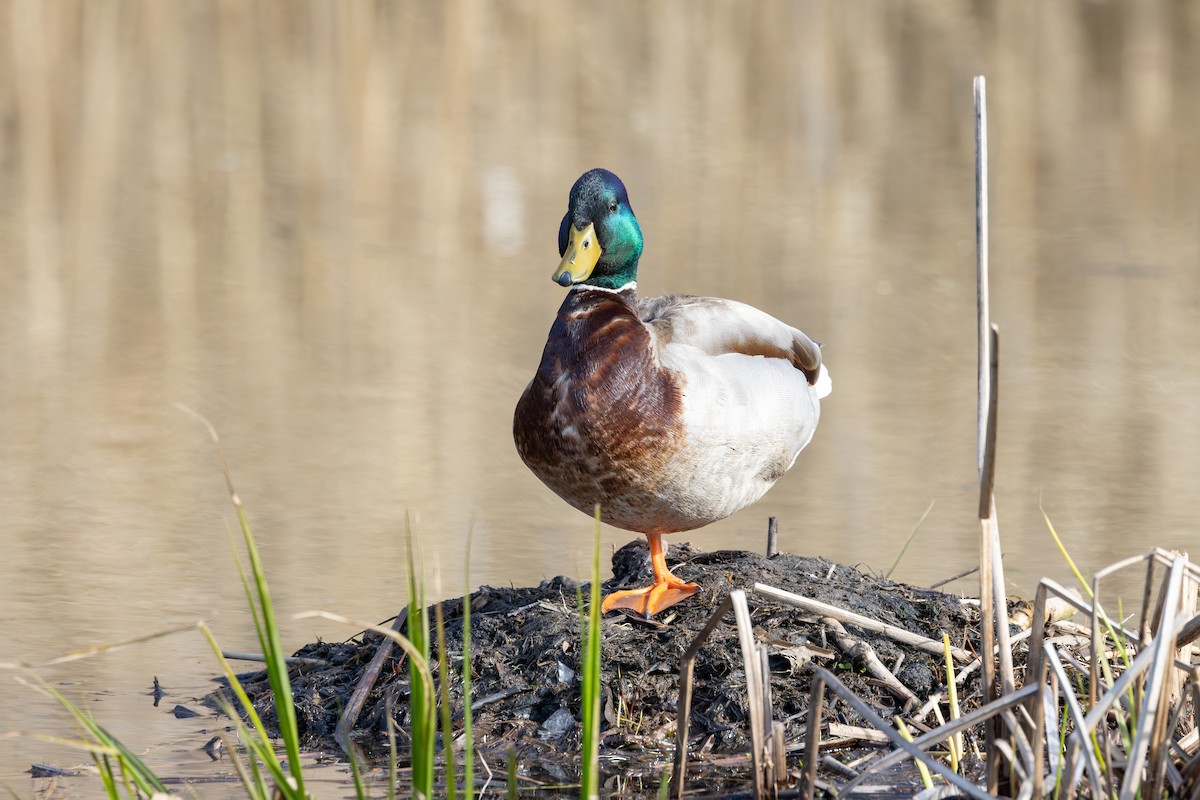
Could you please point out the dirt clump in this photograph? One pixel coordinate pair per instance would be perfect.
(525, 646)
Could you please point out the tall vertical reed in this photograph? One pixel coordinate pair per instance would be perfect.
(589, 691)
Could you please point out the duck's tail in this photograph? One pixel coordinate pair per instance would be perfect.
(824, 384)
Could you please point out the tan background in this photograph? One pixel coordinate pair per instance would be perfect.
(330, 228)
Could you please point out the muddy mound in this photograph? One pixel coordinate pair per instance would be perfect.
(525, 646)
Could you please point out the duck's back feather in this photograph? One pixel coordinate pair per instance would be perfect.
(716, 327)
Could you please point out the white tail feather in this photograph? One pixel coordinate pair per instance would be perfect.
(824, 384)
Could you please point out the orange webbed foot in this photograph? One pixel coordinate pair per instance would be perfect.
(652, 599)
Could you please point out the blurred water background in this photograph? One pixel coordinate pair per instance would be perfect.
(329, 227)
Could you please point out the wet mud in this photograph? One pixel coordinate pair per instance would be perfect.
(525, 645)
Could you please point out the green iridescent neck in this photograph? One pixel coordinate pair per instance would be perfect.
(624, 274)
(621, 239)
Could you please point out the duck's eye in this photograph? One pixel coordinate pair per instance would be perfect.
(612, 206)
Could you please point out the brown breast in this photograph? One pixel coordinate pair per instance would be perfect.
(602, 418)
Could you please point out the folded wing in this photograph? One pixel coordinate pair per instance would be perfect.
(718, 327)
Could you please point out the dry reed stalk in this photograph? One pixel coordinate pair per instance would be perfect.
(859, 651)
(768, 750)
(812, 740)
(906, 748)
(366, 682)
(1147, 697)
(858, 620)
(686, 678)
(1152, 722)
(940, 734)
(754, 689)
(992, 595)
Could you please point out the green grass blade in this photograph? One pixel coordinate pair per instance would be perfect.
(908, 541)
(257, 744)
(392, 771)
(268, 634)
(360, 791)
(277, 668)
(258, 750)
(107, 777)
(420, 698)
(1062, 548)
(902, 726)
(664, 785)
(444, 702)
(251, 603)
(128, 763)
(250, 777)
(511, 788)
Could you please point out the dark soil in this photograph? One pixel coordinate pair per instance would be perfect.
(525, 646)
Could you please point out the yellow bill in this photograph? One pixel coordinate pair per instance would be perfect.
(583, 251)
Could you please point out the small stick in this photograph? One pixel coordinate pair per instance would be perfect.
(683, 712)
(832, 763)
(772, 537)
(858, 621)
(840, 730)
(812, 741)
(365, 683)
(861, 651)
(965, 573)
(296, 660)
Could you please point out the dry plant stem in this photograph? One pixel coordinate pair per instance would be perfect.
(757, 688)
(1188, 599)
(858, 620)
(999, 593)
(366, 682)
(1080, 738)
(812, 741)
(859, 651)
(938, 735)
(259, 657)
(772, 537)
(981, 257)
(944, 581)
(1190, 631)
(833, 764)
(686, 678)
(754, 686)
(1151, 728)
(1144, 629)
(986, 428)
(910, 748)
(959, 678)
(839, 730)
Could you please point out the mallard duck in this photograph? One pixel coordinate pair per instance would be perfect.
(671, 412)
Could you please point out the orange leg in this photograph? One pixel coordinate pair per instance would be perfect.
(666, 591)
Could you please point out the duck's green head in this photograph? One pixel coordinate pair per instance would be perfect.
(599, 239)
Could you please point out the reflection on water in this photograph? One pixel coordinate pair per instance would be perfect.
(331, 231)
